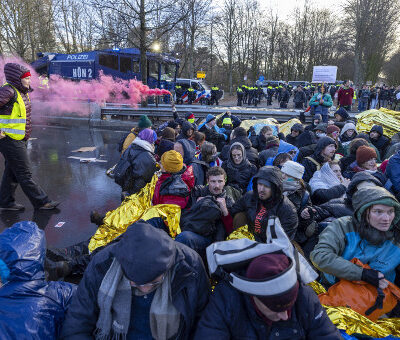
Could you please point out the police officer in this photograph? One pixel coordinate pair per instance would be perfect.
(178, 94)
(239, 93)
(270, 94)
(15, 130)
(191, 95)
(214, 95)
(245, 93)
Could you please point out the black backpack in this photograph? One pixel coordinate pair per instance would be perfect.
(202, 216)
(175, 185)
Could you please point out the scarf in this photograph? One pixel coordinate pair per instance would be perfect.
(324, 178)
(164, 317)
(290, 187)
(114, 300)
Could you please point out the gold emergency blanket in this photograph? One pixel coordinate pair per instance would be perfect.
(351, 322)
(132, 209)
(241, 232)
(388, 119)
(285, 128)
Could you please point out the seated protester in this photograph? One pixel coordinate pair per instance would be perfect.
(284, 147)
(294, 314)
(126, 140)
(165, 142)
(175, 182)
(345, 161)
(348, 133)
(186, 131)
(227, 127)
(333, 132)
(189, 116)
(306, 143)
(393, 147)
(377, 138)
(324, 152)
(264, 201)
(295, 131)
(209, 155)
(259, 141)
(328, 183)
(365, 161)
(199, 138)
(393, 174)
(30, 307)
(187, 149)
(238, 168)
(270, 151)
(316, 120)
(208, 218)
(281, 159)
(239, 135)
(295, 190)
(137, 165)
(138, 288)
(371, 235)
(212, 132)
(341, 117)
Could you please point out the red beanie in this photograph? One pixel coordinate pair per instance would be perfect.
(332, 128)
(26, 74)
(364, 154)
(267, 266)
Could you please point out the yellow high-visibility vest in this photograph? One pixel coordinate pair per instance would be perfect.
(13, 125)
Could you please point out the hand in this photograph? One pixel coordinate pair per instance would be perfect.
(222, 204)
(305, 214)
(345, 181)
(2, 135)
(374, 277)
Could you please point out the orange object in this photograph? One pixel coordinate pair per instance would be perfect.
(362, 297)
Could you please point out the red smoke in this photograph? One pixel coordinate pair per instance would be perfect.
(62, 96)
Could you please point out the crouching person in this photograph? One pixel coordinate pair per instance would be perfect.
(146, 286)
(208, 220)
(371, 235)
(30, 307)
(286, 309)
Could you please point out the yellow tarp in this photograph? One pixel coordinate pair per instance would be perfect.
(135, 207)
(241, 232)
(388, 119)
(284, 128)
(350, 321)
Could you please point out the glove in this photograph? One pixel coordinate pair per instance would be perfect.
(371, 276)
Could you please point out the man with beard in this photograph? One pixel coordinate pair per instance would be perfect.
(371, 235)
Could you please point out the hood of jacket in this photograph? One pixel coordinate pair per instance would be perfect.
(189, 149)
(244, 160)
(359, 177)
(323, 143)
(348, 126)
(144, 252)
(367, 197)
(284, 147)
(306, 138)
(23, 250)
(377, 128)
(297, 127)
(343, 113)
(13, 73)
(242, 140)
(273, 175)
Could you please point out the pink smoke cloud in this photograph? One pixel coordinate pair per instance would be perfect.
(65, 96)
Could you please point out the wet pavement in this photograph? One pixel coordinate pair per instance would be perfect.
(80, 187)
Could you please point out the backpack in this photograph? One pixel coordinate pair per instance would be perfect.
(175, 185)
(201, 217)
(10, 103)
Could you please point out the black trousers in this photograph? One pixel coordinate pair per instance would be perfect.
(17, 171)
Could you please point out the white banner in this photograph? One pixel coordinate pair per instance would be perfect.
(324, 74)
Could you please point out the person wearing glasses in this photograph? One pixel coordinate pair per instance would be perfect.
(145, 286)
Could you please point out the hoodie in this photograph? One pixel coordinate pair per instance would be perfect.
(199, 167)
(186, 126)
(30, 307)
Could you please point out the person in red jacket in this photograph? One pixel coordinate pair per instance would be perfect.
(175, 183)
(345, 96)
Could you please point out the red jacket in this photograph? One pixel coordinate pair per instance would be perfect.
(187, 177)
(345, 96)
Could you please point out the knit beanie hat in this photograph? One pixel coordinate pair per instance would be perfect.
(293, 169)
(25, 75)
(268, 266)
(148, 135)
(144, 122)
(364, 154)
(172, 161)
(331, 129)
(168, 133)
(190, 117)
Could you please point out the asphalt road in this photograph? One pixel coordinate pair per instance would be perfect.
(80, 187)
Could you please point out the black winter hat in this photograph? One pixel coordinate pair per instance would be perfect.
(343, 113)
(144, 252)
(298, 127)
(322, 127)
(323, 143)
(377, 128)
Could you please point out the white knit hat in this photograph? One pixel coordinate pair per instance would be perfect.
(293, 169)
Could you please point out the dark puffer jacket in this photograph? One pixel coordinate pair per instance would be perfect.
(136, 166)
(239, 175)
(189, 286)
(278, 205)
(252, 154)
(30, 307)
(310, 166)
(259, 142)
(13, 73)
(231, 315)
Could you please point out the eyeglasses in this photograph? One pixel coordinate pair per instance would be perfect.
(151, 284)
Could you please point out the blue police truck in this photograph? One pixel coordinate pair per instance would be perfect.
(119, 63)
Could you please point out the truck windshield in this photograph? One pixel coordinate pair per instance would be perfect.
(167, 71)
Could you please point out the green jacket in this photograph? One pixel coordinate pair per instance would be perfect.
(314, 101)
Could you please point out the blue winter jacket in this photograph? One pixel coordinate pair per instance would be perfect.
(231, 315)
(30, 307)
(393, 172)
(284, 147)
